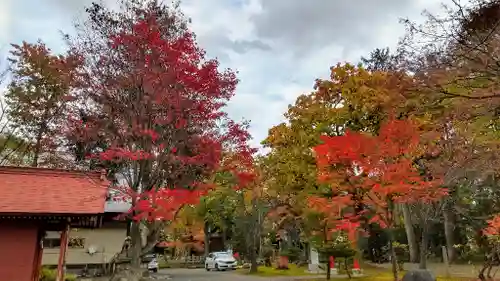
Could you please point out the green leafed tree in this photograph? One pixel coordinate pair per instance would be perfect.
(37, 98)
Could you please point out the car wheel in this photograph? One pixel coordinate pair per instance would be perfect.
(216, 267)
(155, 270)
(206, 267)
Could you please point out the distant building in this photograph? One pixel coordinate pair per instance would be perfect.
(35, 201)
(90, 247)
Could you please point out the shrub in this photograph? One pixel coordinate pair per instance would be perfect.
(402, 254)
(76, 242)
(293, 253)
(47, 274)
(337, 250)
(267, 251)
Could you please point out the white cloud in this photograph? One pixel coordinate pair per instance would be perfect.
(5, 20)
(278, 47)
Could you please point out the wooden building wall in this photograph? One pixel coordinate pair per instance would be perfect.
(18, 245)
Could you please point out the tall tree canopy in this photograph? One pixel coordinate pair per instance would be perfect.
(38, 98)
(157, 103)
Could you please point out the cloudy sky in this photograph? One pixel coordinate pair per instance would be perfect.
(278, 46)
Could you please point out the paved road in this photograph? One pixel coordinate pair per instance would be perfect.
(182, 274)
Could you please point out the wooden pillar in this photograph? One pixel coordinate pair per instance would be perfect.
(62, 252)
(37, 263)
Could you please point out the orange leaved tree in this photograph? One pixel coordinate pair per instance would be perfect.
(369, 174)
(490, 244)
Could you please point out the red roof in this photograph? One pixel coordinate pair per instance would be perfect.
(50, 191)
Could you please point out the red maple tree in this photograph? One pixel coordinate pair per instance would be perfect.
(493, 226)
(488, 240)
(156, 111)
(376, 172)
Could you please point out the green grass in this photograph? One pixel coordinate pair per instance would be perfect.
(381, 278)
(293, 270)
(48, 274)
(371, 274)
(383, 275)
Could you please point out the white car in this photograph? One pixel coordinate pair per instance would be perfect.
(220, 261)
(153, 265)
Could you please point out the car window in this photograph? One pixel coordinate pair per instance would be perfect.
(223, 255)
(210, 256)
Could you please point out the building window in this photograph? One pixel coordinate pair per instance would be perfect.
(51, 243)
(73, 242)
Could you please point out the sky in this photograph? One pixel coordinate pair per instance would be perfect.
(278, 47)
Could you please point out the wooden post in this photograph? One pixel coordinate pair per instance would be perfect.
(38, 255)
(62, 252)
(333, 269)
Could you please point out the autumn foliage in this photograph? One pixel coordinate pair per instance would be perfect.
(38, 99)
(369, 175)
(375, 172)
(493, 227)
(159, 107)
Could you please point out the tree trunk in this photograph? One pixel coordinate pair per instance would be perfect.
(129, 227)
(410, 233)
(449, 232)
(253, 251)
(253, 262)
(38, 148)
(394, 258)
(223, 234)
(206, 231)
(254, 235)
(423, 247)
(136, 245)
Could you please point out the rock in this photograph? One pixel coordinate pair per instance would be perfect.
(419, 275)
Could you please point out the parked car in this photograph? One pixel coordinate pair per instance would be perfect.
(220, 261)
(153, 265)
(148, 257)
